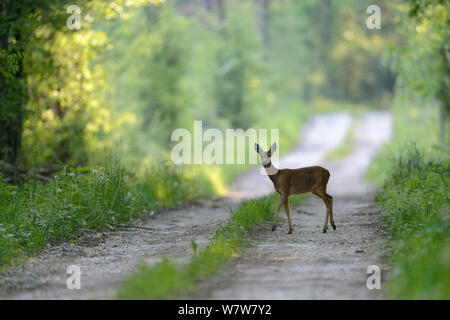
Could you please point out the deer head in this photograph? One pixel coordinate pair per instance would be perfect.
(265, 156)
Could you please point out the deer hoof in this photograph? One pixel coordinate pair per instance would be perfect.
(324, 230)
(290, 231)
(273, 228)
(334, 227)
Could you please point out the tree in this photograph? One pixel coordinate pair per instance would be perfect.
(422, 58)
(18, 20)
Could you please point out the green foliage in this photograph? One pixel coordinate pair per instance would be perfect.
(322, 49)
(136, 70)
(25, 28)
(412, 123)
(32, 215)
(415, 202)
(165, 280)
(147, 65)
(9, 63)
(422, 59)
(239, 58)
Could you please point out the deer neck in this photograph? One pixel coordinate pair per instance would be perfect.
(271, 171)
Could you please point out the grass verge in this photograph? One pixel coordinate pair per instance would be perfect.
(415, 202)
(411, 125)
(166, 280)
(413, 174)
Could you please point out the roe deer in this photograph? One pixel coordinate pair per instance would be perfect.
(297, 181)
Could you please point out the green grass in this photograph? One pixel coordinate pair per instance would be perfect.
(166, 280)
(412, 173)
(33, 215)
(417, 125)
(415, 201)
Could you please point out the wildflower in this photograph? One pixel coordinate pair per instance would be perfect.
(94, 171)
(72, 174)
(58, 190)
(56, 177)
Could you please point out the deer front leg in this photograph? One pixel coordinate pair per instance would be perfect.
(274, 223)
(286, 207)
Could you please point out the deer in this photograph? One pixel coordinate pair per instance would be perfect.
(297, 181)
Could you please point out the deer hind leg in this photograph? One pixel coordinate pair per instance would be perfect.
(286, 207)
(280, 203)
(330, 206)
(322, 194)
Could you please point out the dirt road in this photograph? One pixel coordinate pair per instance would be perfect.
(309, 264)
(306, 264)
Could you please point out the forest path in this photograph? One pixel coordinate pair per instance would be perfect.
(277, 265)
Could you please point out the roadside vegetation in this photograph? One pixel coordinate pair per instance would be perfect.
(412, 125)
(413, 170)
(33, 215)
(167, 280)
(413, 173)
(415, 201)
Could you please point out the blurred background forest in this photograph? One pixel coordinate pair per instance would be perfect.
(138, 69)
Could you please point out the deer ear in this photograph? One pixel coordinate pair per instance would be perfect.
(273, 148)
(257, 147)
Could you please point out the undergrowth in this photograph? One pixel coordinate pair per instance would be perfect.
(415, 201)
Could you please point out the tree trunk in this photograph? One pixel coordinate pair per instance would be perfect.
(13, 95)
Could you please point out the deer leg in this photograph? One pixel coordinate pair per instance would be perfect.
(330, 205)
(274, 223)
(286, 207)
(325, 200)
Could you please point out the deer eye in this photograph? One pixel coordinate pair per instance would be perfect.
(269, 154)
